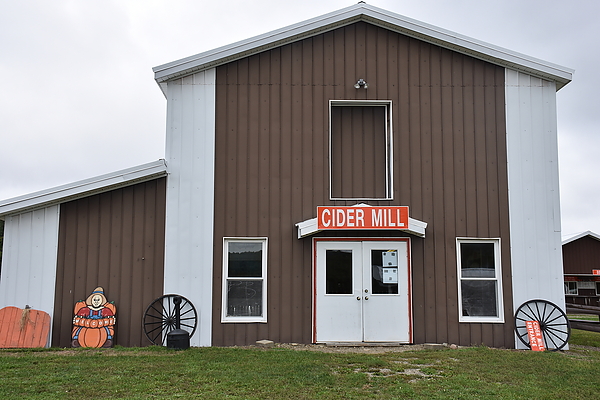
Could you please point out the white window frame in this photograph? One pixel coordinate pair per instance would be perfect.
(597, 288)
(498, 278)
(244, 319)
(568, 289)
(389, 184)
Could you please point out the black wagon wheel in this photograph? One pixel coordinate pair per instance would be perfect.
(554, 323)
(160, 317)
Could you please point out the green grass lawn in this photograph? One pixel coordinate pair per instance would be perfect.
(276, 373)
(585, 338)
(586, 317)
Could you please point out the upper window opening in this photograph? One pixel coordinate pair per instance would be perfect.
(360, 150)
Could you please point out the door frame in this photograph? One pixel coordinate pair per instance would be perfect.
(359, 239)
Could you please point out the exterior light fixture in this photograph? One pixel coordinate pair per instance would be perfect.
(361, 84)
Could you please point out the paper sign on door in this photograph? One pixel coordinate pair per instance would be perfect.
(535, 336)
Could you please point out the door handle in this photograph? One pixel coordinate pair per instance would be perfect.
(357, 297)
(366, 297)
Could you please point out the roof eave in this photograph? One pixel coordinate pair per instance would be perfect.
(84, 188)
(581, 235)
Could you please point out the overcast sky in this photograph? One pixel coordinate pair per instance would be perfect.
(78, 97)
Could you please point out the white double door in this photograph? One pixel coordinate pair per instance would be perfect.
(361, 296)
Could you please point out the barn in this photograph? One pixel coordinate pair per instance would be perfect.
(356, 177)
(581, 263)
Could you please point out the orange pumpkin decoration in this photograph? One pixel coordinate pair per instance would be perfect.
(93, 324)
(21, 328)
(92, 337)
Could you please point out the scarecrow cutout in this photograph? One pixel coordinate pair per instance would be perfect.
(94, 322)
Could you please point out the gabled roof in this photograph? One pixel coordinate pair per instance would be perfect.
(84, 188)
(572, 238)
(373, 15)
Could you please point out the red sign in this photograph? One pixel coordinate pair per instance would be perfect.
(362, 217)
(535, 336)
(596, 272)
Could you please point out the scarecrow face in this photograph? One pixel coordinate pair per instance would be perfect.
(96, 301)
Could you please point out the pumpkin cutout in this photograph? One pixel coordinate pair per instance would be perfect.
(23, 328)
(93, 324)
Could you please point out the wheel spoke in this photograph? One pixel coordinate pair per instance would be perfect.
(546, 334)
(152, 330)
(551, 329)
(164, 332)
(539, 314)
(181, 314)
(544, 315)
(523, 319)
(161, 313)
(536, 312)
(558, 323)
(153, 323)
(559, 317)
(530, 316)
(171, 309)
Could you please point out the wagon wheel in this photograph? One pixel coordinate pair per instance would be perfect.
(160, 317)
(554, 323)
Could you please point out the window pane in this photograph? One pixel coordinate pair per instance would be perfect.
(338, 272)
(570, 287)
(244, 260)
(244, 298)
(477, 260)
(384, 272)
(479, 298)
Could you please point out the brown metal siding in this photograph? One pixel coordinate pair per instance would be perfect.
(581, 256)
(449, 167)
(114, 240)
(358, 166)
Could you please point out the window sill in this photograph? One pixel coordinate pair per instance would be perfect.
(481, 320)
(243, 320)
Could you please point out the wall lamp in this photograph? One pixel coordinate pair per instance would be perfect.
(361, 84)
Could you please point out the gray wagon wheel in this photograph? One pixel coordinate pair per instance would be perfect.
(160, 317)
(554, 323)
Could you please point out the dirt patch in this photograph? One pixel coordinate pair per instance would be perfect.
(369, 349)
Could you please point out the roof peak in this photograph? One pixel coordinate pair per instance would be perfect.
(367, 13)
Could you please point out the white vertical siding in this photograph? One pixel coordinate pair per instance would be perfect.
(534, 205)
(28, 274)
(190, 153)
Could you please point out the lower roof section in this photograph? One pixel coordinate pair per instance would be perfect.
(87, 187)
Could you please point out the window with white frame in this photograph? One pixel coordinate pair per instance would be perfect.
(597, 288)
(571, 288)
(244, 280)
(480, 280)
(360, 149)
